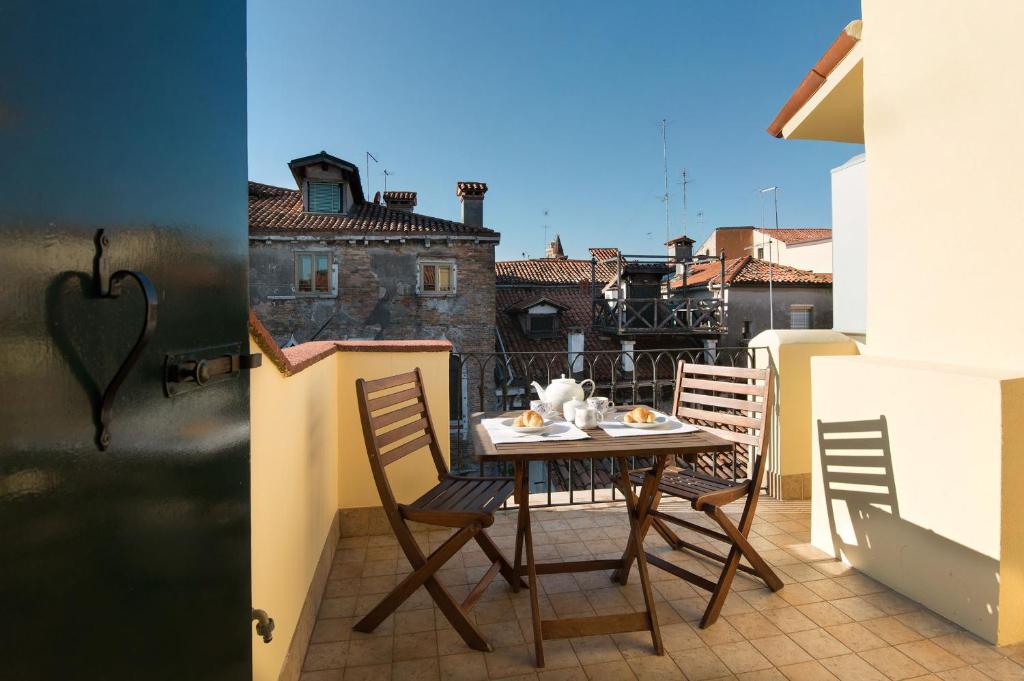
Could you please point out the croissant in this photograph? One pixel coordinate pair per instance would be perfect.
(533, 419)
(628, 418)
(518, 423)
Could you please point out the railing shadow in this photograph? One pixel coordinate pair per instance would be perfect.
(868, 530)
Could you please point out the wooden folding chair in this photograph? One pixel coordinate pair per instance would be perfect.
(396, 423)
(731, 402)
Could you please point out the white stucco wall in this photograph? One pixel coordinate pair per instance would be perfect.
(850, 241)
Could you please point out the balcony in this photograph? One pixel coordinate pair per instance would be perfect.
(323, 553)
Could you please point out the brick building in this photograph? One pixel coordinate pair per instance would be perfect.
(326, 263)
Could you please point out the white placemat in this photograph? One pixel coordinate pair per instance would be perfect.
(672, 426)
(559, 430)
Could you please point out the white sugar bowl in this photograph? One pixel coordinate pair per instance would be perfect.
(587, 417)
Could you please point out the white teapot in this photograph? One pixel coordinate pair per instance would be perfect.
(562, 390)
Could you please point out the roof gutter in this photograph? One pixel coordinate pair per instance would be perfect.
(816, 77)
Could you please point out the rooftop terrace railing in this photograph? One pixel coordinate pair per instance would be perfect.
(502, 382)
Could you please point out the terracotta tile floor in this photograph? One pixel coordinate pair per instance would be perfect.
(829, 622)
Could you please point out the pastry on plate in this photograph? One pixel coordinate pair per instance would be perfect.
(528, 419)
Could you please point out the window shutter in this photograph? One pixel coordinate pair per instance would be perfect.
(324, 197)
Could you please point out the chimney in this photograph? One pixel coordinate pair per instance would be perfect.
(680, 249)
(471, 196)
(403, 201)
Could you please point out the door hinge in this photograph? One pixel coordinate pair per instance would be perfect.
(264, 625)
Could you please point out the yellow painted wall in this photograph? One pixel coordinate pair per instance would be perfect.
(294, 463)
(952, 541)
(943, 97)
(308, 460)
(413, 475)
(791, 353)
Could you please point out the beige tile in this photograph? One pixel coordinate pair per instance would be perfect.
(592, 650)
(463, 667)
(893, 663)
(568, 674)
(373, 672)
(781, 650)
(414, 621)
(819, 643)
(823, 614)
(891, 630)
(968, 648)
(807, 671)
(925, 623)
(1001, 670)
(857, 608)
(753, 625)
(741, 657)
(855, 636)
(415, 670)
(700, 664)
(678, 637)
(930, 656)
(798, 594)
(615, 670)
(963, 674)
(718, 633)
(829, 589)
(789, 619)
(852, 668)
(655, 667)
(415, 646)
(510, 661)
(370, 650)
(332, 630)
(321, 656)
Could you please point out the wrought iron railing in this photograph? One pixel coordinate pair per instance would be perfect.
(502, 381)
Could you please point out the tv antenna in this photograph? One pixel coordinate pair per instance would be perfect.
(664, 158)
(546, 226)
(684, 182)
(387, 174)
(368, 157)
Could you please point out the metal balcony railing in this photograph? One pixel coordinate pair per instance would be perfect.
(502, 381)
(660, 316)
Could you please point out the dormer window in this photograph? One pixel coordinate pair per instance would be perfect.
(539, 318)
(325, 197)
(542, 325)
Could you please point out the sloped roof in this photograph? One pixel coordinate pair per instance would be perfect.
(276, 210)
(548, 271)
(576, 315)
(604, 253)
(798, 235)
(750, 270)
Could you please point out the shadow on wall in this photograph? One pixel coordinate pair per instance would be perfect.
(869, 533)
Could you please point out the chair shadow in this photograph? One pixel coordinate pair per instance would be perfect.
(868, 531)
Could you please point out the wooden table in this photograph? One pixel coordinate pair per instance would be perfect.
(599, 445)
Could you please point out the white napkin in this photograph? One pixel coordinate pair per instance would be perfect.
(673, 426)
(559, 430)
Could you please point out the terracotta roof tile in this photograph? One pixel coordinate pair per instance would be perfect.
(276, 209)
(604, 253)
(576, 315)
(548, 271)
(470, 188)
(750, 270)
(798, 235)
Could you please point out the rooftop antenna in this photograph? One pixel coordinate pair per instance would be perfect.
(771, 294)
(368, 157)
(685, 181)
(546, 226)
(387, 174)
(664, 158)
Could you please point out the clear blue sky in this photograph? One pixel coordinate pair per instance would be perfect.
(556, 105)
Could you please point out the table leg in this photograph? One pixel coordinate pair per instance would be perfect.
(523, 482)
(521, 497)
(637, 510)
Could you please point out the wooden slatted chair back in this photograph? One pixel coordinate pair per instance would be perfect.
(734, 403)
(396, 423)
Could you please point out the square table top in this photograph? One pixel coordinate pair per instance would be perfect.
(599, 445)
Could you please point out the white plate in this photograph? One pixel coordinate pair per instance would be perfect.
(525, 429)
(659, 421)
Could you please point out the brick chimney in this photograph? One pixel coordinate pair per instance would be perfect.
(403, 201)
(471, 196)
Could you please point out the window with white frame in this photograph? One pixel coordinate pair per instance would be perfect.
(325, 197)
(436, 278)
(801, 316)
(313, 273)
